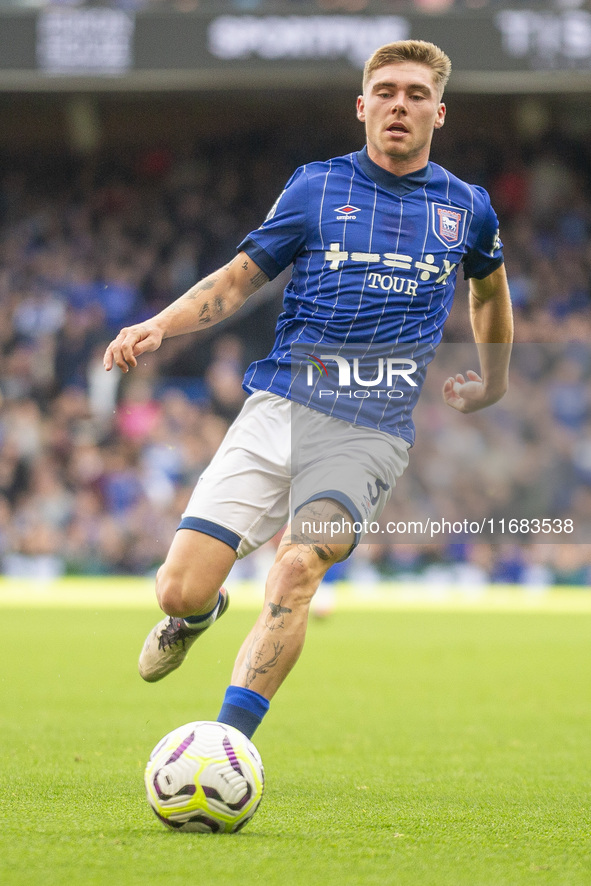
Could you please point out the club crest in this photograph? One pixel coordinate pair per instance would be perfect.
(448, 224)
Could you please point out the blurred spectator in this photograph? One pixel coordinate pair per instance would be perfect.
(428, 6)
(138, 412)
(224, 377)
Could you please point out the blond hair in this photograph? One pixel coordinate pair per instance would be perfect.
(418, 51)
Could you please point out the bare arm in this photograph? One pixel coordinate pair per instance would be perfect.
(491, 317)
(206, 303)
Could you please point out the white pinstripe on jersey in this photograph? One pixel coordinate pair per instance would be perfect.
(375, 259)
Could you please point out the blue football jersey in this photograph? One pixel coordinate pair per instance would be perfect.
(375, 258)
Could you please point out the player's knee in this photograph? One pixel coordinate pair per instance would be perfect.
(179, 597)
(170, 595)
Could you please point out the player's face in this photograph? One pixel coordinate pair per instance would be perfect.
(400, 107)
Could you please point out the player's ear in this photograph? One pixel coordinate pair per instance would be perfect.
(440, 119)
(360, 108)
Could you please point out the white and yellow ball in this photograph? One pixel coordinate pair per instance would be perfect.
(206, 777)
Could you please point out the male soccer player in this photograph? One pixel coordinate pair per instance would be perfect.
(376, 238)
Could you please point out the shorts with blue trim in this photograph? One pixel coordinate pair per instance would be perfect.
(277, 457)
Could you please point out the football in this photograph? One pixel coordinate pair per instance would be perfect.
(205, 777)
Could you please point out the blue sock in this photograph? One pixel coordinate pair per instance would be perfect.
(243, 709)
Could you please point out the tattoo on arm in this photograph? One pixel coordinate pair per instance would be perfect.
(204, 313)
(219, 302)
(203, 286)
(259, 279)
(214, 308)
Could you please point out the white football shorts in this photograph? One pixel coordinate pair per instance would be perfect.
(279, 455)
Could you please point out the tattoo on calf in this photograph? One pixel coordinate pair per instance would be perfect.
(296, 539)
(324, 554)
(260, 666)
(304, 542)
(276, 618)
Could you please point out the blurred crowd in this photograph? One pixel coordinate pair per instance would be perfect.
(96, 467)
(328, 6)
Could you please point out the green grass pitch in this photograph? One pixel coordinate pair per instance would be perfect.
(411, 747)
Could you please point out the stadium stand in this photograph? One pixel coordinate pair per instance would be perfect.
(95, 468)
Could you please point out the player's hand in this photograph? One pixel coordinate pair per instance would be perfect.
(468, 394)
(130, 343)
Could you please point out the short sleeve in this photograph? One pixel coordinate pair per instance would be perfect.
(486, 255)
(282, 235)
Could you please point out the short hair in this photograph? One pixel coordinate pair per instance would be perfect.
(419, 51)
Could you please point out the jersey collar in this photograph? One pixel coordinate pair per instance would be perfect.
(396, 184)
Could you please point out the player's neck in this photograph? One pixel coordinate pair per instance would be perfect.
(397, 165)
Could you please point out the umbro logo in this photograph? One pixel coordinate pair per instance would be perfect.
(347, 211)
